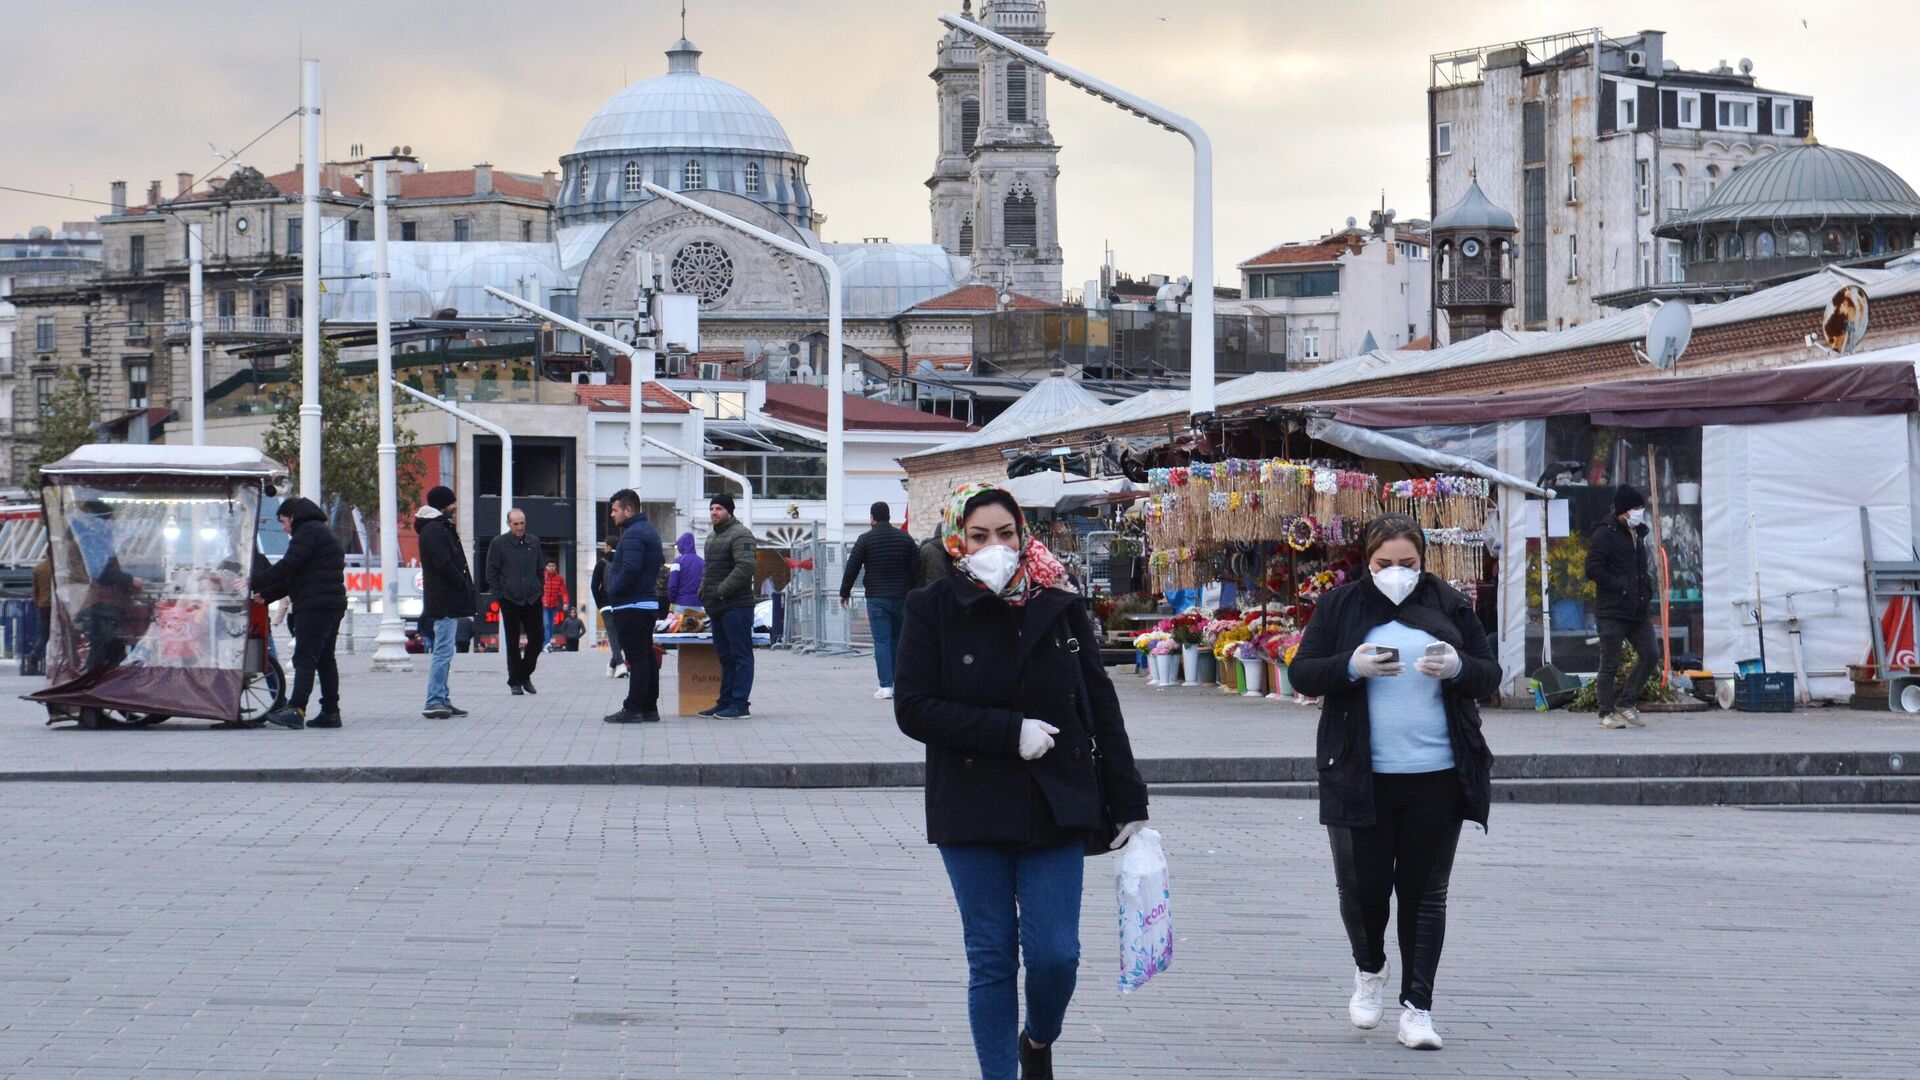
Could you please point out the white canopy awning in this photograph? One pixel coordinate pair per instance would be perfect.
(1373, 444)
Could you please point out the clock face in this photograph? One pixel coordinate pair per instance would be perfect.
(240, 225)
(1470, 249)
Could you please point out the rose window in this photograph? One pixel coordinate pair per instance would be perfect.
(704, 269)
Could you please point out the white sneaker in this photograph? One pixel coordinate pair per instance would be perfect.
(613, 670)
(1416, 1029)
(1612, 720)
(1631, 715)
(1365, 1007)
(885, 693)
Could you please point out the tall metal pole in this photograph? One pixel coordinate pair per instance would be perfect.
(196, 335)
(836, 367)
(310, 279)
(1200, 335)
(456, 413)
(390, 649)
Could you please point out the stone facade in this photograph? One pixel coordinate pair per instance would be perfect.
(1014, 163)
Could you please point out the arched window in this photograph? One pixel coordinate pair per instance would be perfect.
(1896, 240)
(1713, 179)
(1016, 93)
(632, 176)
(1830, 242)
(583, 183)
(1732, 248)
(1020, 217)
(1866, 241)
(1763, 245)
(1676, 187)
(690, 179)
(966, 235)
(1797, 242)
(753, 178)
(1703, 249)
(969, 123)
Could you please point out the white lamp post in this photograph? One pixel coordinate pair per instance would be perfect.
(505, 437)
(196, 334)
(1200, 343)
(310, 279)
(390, 649)
(836, 366)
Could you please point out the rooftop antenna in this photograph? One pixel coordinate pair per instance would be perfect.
(683, 19)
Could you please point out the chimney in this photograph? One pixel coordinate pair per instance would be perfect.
(185, 181)
(153, 193)
(119, 196)
(1392, 248)
(550, 185)
(483, 179)
(1654, 43)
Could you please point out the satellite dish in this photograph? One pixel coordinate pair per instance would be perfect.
(1668, 335)
(1746, 66)
(1845, 320)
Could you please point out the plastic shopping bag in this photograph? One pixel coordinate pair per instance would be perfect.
(1146, 910)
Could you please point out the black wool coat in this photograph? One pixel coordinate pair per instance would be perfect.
(1344, 746)
(446, 577)
(970, 668)
(1617, 566)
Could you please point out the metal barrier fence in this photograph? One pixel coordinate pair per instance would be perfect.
(815, 621)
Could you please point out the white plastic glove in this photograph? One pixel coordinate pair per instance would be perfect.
(1444, 666)
(1370, 663)
(1125, 834)
(1036, 738)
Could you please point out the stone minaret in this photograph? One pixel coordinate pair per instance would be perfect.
(1015, 164)
(956, 80)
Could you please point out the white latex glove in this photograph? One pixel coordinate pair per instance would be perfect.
(1370, 663)
(1036, 738)
(1125, 834)
(1444, 666)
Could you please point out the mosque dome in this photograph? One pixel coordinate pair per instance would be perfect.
(1809, 181)
(683, 109)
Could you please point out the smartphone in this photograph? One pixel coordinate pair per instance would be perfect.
(1437, 650)
(1388, 654)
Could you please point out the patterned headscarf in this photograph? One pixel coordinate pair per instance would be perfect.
(1039, 569)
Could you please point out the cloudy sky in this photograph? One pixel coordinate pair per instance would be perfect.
(1314, 106)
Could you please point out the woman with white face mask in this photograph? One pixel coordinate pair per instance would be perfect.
(1028, 767)
(1400, 659)
(1623, 606)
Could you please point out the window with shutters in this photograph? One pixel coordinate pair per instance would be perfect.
(1016, 93)
(1020, 218)
(969, 123)
(753, 178)
(633, 177)
(690, 176)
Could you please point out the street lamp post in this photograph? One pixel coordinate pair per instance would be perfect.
(196, 334)
(836, 366)
(1200, 342)
(310, 279)
(390, 649)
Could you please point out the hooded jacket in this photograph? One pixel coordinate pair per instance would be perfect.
(683, 580)
(446, 577)
(312, 574)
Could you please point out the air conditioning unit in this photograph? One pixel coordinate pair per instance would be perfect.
(589, 378)
(710, 371)
(674, 366)
(1636, 59)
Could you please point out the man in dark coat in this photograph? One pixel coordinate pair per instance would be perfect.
(633, 605)
(1617, 565)
(597, 585)
(448, 585)
(726, 592)
(514, 579)
(312, 575)
(891, 561)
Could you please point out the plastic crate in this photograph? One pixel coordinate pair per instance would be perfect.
(1766, 692)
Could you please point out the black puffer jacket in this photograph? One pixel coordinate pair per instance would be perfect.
(1344, 748)
(970, 669)
(313, 571)
(891, 560)
(446, 576)
(1617, 566)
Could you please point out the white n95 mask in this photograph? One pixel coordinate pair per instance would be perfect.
(993, 566)
(1396, 583)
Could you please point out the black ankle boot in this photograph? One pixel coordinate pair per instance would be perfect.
(1036, 1062)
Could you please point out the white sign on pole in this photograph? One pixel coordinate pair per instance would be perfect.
(1558, 520)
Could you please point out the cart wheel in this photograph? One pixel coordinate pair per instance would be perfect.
(262, 693)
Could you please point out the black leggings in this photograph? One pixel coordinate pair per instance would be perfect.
(1408, 852)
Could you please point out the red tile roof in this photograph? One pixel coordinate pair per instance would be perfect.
(290, 183)
(1422, 343)
(977, 298)
(1292, 254)
(458, 184)
(807, 406)
(618, 397)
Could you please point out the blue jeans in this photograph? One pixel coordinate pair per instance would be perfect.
(1017, 902)
(548, 623)
(888, 616)
(733, 644)
(445, 633)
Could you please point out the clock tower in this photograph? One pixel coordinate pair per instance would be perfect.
(1473, 249)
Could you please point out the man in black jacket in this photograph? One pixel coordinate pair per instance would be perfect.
(891, 561)
(312, 574)
(515, 580)
(1617, 566)
(448, 585)
(633, 605)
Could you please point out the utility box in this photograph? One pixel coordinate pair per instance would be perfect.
(676, 319)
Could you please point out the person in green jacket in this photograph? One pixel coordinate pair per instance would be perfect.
(726, 591)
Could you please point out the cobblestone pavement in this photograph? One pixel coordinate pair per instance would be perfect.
(202, 930)
(809, 709)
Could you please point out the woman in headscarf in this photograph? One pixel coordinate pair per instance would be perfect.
(1028, 766)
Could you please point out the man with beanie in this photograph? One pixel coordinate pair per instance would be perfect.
(726, 592)
(633, 605)
(513, 577)
(1617, 566)
(891, 561)
(447, 580)
(312, 575)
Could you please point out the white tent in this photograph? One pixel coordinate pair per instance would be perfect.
(1053, 490)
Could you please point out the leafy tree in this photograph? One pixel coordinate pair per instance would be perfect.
(349, 437)
(67, 426)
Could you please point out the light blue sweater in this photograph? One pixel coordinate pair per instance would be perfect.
(1409, 721)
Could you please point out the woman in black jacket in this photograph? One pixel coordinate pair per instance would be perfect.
(1400, 659)
(1027, 761)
